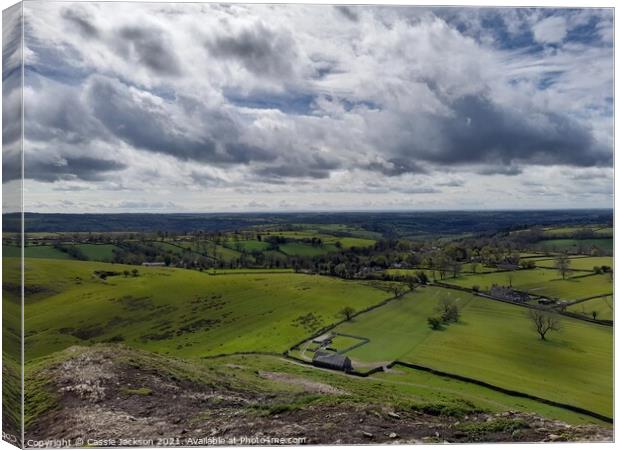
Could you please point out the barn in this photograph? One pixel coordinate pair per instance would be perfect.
(333, 361)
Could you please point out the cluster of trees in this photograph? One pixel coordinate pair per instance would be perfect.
(71, 250)
(447, 312)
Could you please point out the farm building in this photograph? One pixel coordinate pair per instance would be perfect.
(332, 361)
(154, 264)
(508, 293)
(324, 339)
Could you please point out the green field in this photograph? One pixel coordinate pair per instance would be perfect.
(580, 263)
(493, 342)
(575, 244)
(37, 251)
(402, 387)
(603, 307)
(547, 282)
(97, 252)
(178, 311)
(249, 245)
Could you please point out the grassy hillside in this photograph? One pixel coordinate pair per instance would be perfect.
(494, 342)
(184, 312)
(132, 389)
(541, 282)
(602, 305)
(39, 251)
(97, 252)
(575, 244)
(580, 263)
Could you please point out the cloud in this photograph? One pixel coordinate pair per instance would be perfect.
(148, 46)
(82, 22)
(258, 102)
(81, 167)
(262, 51)
(551, 30)
(147, 122)
(348, 12)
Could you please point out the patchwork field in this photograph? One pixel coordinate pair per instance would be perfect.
(97, 252)
(546, 282)
(580, 263)
(39, 251)
(303, 249)
(187, 313)
(575, 244)
(603, 306)
(493, 342)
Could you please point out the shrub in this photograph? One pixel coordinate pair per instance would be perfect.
(434, 322)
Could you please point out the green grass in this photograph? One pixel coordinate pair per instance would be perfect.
(97, 252)
(249, 246)
(580, 263)
(35, 251)
(574, 244)
(178, 311)
(546, 282)
(603, 307)
(177, 249)
(493, 342)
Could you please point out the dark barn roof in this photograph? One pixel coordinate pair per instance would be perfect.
(332, 361)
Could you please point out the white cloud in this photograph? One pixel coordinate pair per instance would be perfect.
(551, 30)
(271, 105)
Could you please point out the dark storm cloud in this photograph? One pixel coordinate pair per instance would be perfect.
(348, 12)
(500, 170)
(150, 47)
(61, 116)
(11, 166)
(260, 50)
(81, 21)
(11, 75)
(312, 166)
(479, 131)
(395, 167)
(79, 167)
(145, 123)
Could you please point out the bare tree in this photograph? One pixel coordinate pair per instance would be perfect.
(544, 321)
(347, 312)
(456, 268)
(562, 263)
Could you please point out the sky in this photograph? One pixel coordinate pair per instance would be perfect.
(134, 107)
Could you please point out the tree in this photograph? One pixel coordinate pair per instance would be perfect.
(434, 323)
(594, 314)
(134, 272)
(562, 263)
(456, 268)
(422, 277)
(448, 310)
(543, 322)
(346, 312)
(126, 273)
(411, 283)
